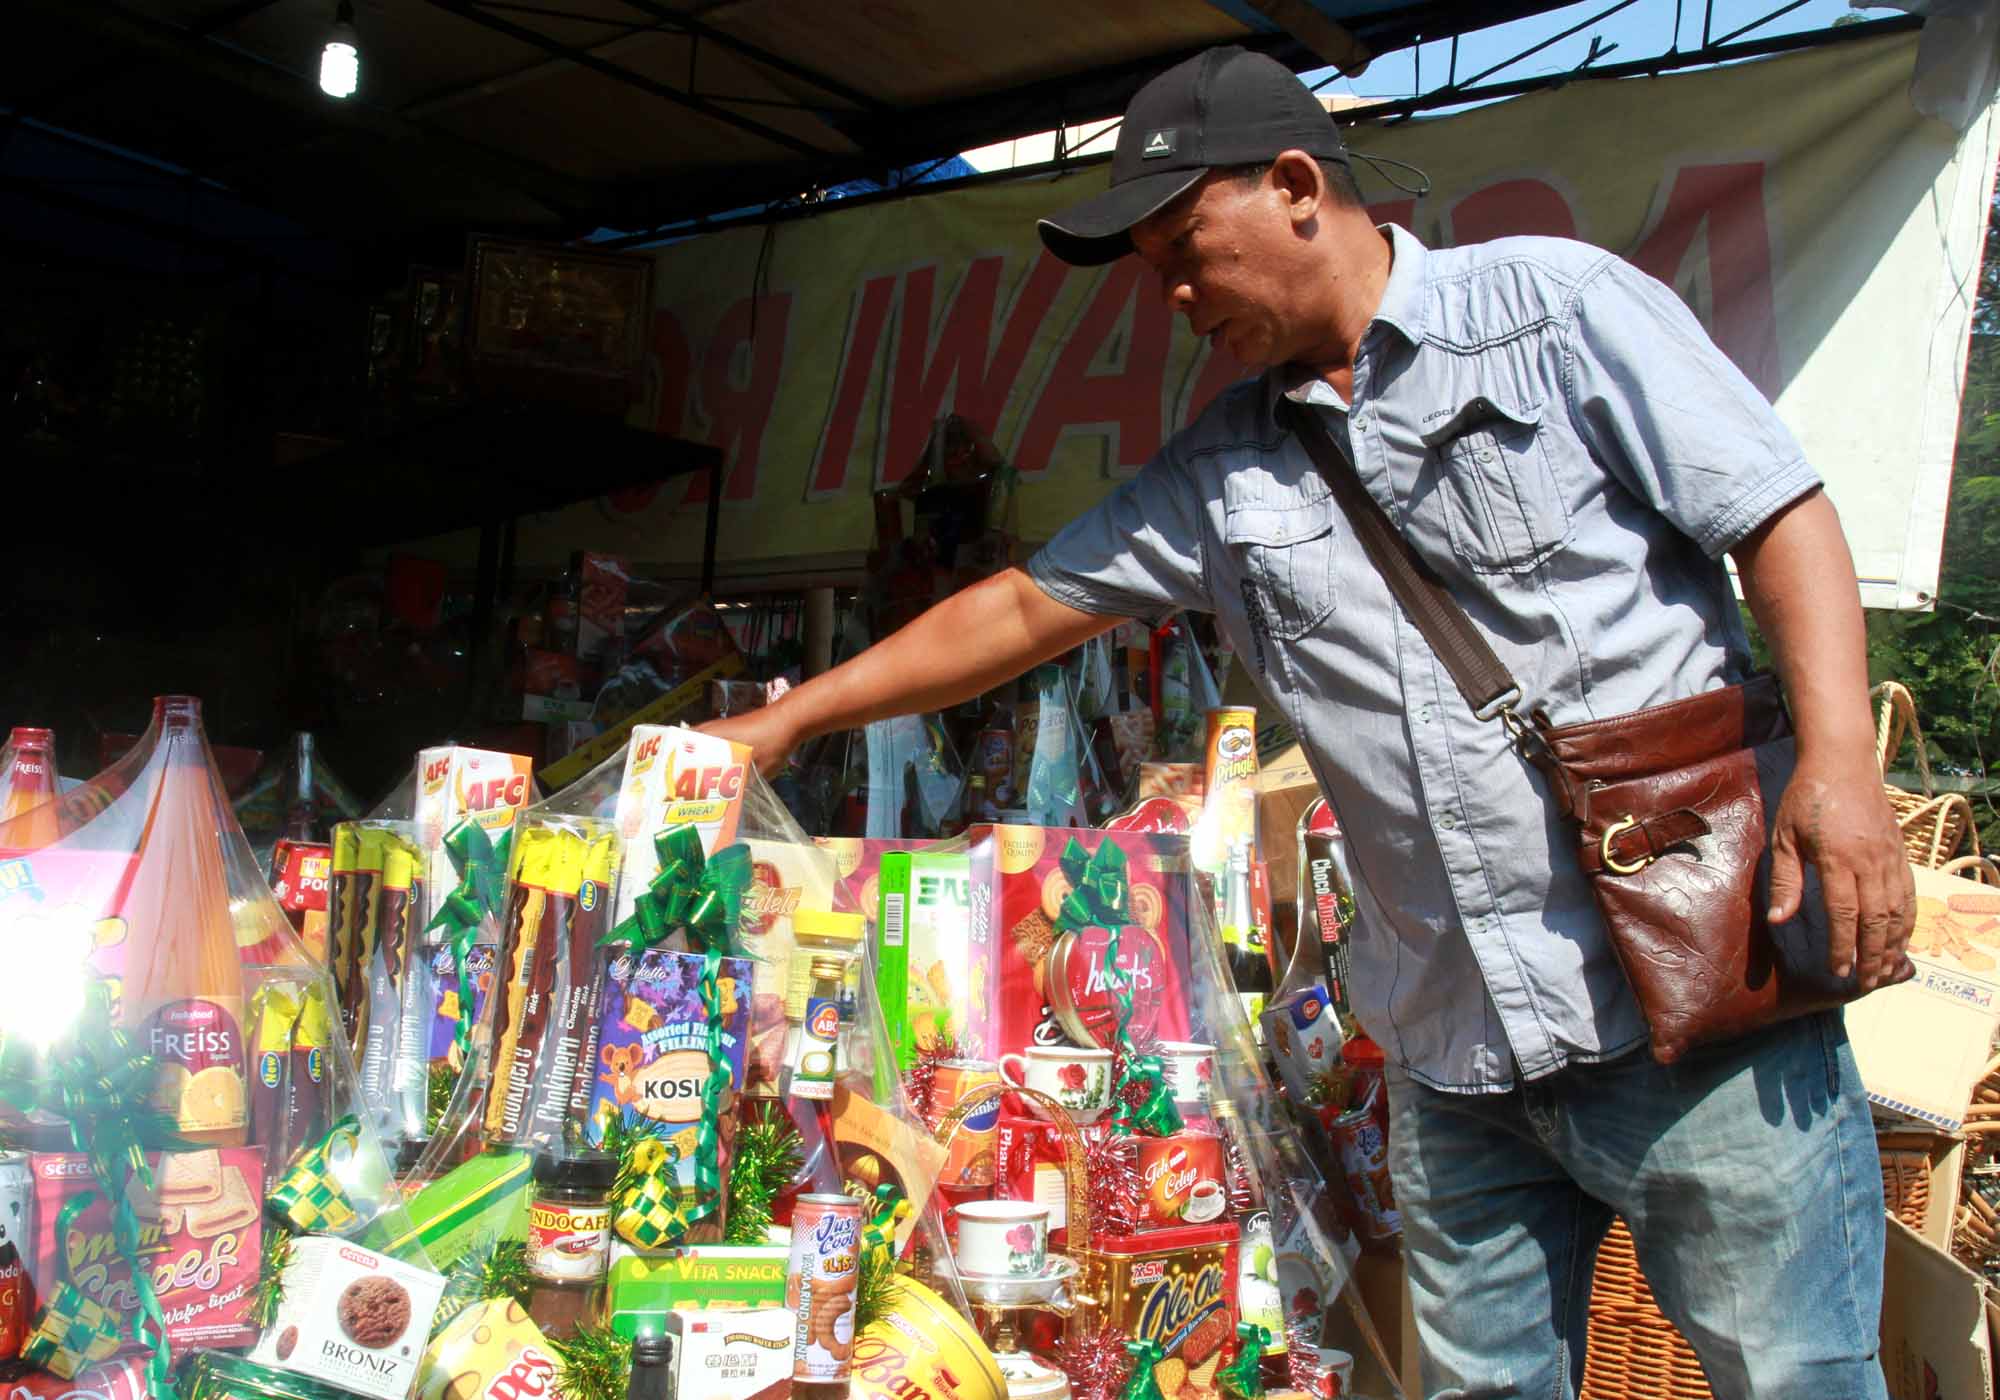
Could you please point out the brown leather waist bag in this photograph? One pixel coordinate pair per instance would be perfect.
(1668, 805)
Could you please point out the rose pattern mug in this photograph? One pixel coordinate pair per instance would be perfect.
(1079, 1080)
(1003, 1239)
(1190, 1070)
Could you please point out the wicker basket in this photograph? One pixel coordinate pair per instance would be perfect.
(1635, 1353)
(1934, 824)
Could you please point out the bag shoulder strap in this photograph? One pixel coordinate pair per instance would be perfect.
(1481, 677)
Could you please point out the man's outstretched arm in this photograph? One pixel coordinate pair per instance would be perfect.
(962, 647)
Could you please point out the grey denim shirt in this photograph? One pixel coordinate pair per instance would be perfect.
(1555, 433)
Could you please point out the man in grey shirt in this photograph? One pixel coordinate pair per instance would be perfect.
(1555, 434)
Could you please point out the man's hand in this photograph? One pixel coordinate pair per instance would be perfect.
(768, 731)
(1842, 823)
(1799, 581)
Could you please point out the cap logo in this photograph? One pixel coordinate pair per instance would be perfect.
(1159, 143)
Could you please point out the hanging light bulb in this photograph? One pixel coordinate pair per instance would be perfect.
(340, 60)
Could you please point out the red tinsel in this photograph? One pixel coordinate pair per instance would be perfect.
(920, 1080)
(1096, 1364)
(1110, 1162)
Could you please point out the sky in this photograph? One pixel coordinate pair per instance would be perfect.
(1643, 29)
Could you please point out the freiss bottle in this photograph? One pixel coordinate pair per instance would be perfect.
(183, 992)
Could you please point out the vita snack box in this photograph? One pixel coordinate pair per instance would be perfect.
(934, 976)
(205, 1214)
(645, 1287)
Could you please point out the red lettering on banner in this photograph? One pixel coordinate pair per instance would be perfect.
(857, 370)
(1726, 202)
(1512, 207)
(672, 361)
(739, 387)
(1127, 398)
(961, 370)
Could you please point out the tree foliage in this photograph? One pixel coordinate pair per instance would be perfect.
(1950, 658)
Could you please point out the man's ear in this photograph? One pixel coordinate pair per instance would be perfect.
(1298, 177)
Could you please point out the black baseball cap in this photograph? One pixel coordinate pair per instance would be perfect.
(1225, 107)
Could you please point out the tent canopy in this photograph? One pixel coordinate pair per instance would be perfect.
(553, 118)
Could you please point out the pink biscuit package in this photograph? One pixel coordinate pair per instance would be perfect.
(200, 1232)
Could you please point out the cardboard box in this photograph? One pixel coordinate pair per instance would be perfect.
(857, 863)
(1922, 1046)
(352, 1318)
(1939, 1160)
(728, 1353)
(1285, 788)
(1017, 891)
(216, 1243)
(644, 1288)
(1936, 1337)
(936, 981)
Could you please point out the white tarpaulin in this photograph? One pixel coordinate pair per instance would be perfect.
(1827, 234)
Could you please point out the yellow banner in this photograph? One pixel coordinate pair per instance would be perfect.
(1826, 234)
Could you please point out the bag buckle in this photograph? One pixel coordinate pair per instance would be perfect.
(1612, 833)
(1501, 707)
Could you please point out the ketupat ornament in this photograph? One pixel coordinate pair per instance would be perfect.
(309, 1199)
(649, 1213)
(71, 1330)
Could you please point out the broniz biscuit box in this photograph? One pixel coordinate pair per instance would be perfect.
(200, 1227)
(1051, 988)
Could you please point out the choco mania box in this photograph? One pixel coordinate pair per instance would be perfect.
(1018, 886)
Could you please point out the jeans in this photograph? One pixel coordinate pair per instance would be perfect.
(1747, 1174)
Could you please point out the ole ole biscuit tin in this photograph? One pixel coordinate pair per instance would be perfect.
(1175, 1287)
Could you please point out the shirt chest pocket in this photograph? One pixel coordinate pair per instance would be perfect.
(1498, 492)
(1285, 558)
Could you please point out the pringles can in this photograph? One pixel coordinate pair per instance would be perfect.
(819, 1287)
(970, 1159)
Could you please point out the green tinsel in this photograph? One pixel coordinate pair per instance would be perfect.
(490, 1269)
(594, 1364)
(767, 1156)
(443, 1084)
(871, 1286)
(270, 1290)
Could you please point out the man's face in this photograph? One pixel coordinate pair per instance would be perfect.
(1225, 254)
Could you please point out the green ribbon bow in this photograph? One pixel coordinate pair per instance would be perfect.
(481, 864)
(1242, 1377)
(310, 1199)
(692, 891)
(103, 1088)
(890, 1211)
(1099, 888)
(703, 895)
(1142, 1384)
